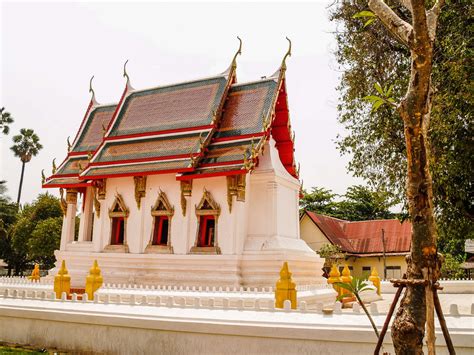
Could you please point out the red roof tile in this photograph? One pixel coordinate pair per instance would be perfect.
(364, 237)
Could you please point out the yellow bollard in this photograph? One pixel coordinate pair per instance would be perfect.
(94, 280)
(335, 276)
(62, 281)
(346, 278)
(375, 279)
(35, 274)
(285, 288)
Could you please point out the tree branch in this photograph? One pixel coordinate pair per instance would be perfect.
(432, 18)
(399, 28)
(406, 4)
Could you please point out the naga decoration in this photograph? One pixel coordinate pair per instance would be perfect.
(43, 177)
(186, 190)
(96, 201)
(140, 188)
(91, 90)
(239, 52)
(54, 166)
(69, 146)
(125, 75)
(62, 201)
(288, 54)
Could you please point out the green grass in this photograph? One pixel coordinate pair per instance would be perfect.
(13, 349)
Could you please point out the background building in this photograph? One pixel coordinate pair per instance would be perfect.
(362, 242)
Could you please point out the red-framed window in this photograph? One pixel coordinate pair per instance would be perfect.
(118, 230)
(207, 229)
(160, 232)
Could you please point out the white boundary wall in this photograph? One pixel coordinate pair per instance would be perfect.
(175, 327)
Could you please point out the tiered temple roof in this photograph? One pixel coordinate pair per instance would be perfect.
(208, 127)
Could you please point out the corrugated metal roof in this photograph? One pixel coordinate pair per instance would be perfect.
(364, 237)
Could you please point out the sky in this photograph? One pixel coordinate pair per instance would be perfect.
(50, 50)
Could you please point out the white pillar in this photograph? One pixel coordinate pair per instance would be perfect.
(85, 225)
(67, 233)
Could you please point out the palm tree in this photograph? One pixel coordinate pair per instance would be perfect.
(5, 120)
(26, 146)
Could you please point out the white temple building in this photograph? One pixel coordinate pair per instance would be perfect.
(193, 183)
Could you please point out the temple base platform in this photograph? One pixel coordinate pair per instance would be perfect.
(248, 270)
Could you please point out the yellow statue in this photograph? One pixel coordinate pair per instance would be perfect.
(335, 276)
(35, 274)
(285, 288)
(94, 280)
(346, 278)
(62, 281)
(375, 279)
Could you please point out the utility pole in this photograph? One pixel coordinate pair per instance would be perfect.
(384, 259)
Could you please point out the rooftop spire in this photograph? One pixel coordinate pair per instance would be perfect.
(288, 54)
(91, 90)
(283, 62)
(233, 64)
(125, 75)
(239, 51)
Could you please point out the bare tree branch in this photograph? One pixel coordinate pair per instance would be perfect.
(399, 28)
(432, 18)
(406, 4)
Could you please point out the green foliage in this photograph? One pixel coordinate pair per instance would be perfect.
(44, 241)
(330, 251)
(451, 268)
(367, 56)
(5, 121)
(8, 217)
(33, 234)
(26, 145)
(359, 203)
(356, 287)
(319, 200)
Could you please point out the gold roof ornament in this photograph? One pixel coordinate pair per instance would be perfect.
(239, 52)
(125, 75)
(233, 64)
(288, 54)
(69, 146)
(54, 165)
(91, 90)
(43, 178)
(280, 72)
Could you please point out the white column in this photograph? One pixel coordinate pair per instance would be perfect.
(67, 233)
(85, 224)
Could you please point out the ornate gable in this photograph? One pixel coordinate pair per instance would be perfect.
(118, 209)
(207, 205)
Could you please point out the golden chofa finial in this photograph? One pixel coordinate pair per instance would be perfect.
(43, 177)
(288, 54)
(69, 146)
(91, 90)
(54, 165)
(125, 75)
(239, 51)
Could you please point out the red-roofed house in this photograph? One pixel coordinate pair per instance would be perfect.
(193, 183)
(361, 241)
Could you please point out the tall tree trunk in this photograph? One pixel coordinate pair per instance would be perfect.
(416, 307)
(21, 182)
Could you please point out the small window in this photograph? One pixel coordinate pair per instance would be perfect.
(118, 228)
(207, 225)
(366, 268)
(160, 233)
(394, 272)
